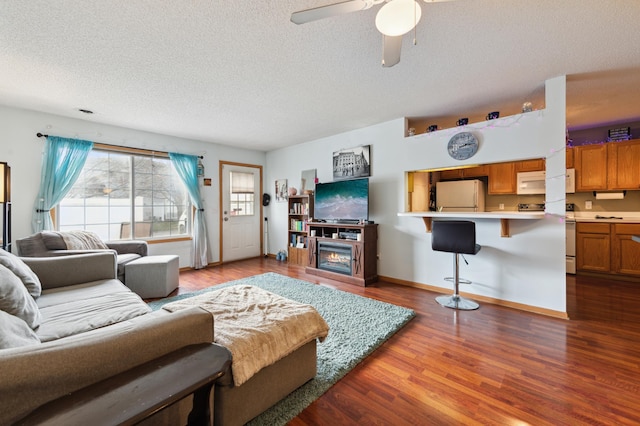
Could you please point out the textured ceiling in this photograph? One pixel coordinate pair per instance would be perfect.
(241, 74)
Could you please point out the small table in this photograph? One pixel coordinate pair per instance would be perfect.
(136, 394)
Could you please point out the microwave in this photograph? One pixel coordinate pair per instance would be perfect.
(535, 182)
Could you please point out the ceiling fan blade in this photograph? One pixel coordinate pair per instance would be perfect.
(304, 16)
(391, 50)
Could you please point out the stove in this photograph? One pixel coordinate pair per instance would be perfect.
(569, 211)
(531, 207)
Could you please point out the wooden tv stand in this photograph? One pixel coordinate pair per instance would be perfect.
(360, 240)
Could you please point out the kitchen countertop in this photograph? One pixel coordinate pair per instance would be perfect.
(608, 217)
(502, 214)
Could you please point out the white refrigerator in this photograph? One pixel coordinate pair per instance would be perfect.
(460, 196)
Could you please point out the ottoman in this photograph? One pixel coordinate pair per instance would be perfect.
(152, 276)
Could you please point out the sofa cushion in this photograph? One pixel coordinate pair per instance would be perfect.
(22, 271)
(79, 316)
(75, 292)
(15, 298)
(32, 246)
(14, 332)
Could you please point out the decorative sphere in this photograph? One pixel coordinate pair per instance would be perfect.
(293, 191)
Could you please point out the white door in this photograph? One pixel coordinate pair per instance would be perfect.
(241, 209)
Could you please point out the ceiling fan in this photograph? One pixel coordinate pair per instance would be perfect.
(395, 18)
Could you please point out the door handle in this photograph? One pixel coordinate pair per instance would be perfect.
(226, 219)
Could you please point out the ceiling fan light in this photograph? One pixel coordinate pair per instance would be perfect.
(398, 17)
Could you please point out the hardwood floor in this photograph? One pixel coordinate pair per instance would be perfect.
(495, 366)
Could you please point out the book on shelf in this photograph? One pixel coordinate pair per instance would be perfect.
(299, 225)
(299, 208)
(299, 241)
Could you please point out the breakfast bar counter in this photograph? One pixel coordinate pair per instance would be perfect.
(503, 216)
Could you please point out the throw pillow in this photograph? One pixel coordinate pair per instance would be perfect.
(53, 240)
(82, 240)
(16, 300)
(18, 267)
(14, 332)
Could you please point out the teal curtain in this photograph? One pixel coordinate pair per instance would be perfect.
(187, 168)
(62, 163)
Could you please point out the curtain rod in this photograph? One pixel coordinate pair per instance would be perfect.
(42, 135)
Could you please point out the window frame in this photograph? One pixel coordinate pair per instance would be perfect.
(146, 153)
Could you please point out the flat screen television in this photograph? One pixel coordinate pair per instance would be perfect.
(344, 201)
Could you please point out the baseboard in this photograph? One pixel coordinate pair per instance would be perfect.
(218, 263)
(602, 275)
(491, 300)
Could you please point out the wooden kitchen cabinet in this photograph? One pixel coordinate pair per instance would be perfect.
(502, 178)
(569, 158)
(451, 174)
(625, 253)
(418, 191)
(477, 171)
(593, 247)
(610, 166)
(623, 165)
(591, 167)
(608, 248)
(530, 165)
(464, 173)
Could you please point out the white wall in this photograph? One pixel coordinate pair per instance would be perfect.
(22, 150)
(528, 268)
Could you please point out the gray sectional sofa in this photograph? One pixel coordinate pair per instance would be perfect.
(67, 323)
(51, 243)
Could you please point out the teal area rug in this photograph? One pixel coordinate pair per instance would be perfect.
(358, 325)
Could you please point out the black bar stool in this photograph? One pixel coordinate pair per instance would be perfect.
(457, 237)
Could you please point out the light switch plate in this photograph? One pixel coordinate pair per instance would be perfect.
(588, 205)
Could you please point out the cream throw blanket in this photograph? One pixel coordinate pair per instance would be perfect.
(258, 327)
(82, 240)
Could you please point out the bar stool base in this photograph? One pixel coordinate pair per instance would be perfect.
(457, 302)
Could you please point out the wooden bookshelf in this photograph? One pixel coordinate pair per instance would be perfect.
(300, 211)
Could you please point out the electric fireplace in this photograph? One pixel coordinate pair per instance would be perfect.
(335, 257)
(343, 252)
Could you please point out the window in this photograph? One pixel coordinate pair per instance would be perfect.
(123, 196)
(242, 194)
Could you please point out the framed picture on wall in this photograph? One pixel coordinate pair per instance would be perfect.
(352, 163)
(281, 190)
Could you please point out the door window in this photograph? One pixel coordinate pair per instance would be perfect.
(242, 199)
